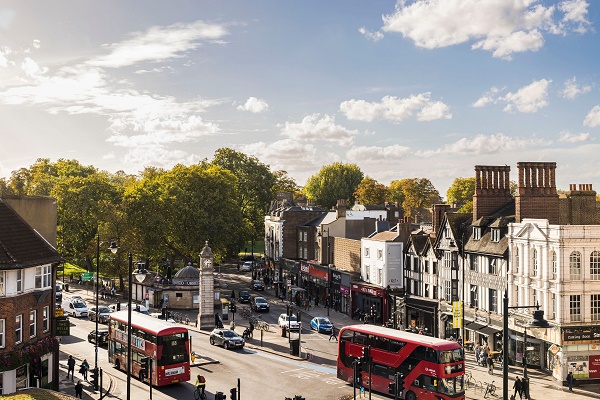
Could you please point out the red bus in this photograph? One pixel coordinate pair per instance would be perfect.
(166, 344)
(433, 368)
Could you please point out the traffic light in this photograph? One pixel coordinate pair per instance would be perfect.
(366, 354)
(400, 382)
(118, 305)
(232, 308)
(392, 388)
(357, 372)
(289, 310)
(233, 393)
(299, 316)
(94, 377)
(220, 396)
(144, 364)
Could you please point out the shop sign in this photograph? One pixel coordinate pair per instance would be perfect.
(344, 290)
(336, 277)
(590, 333)
(594, 368)
(63, 327)
(304, 268)
(369, 290)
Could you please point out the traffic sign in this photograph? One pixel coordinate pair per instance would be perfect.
(87, 276)
(59, 312)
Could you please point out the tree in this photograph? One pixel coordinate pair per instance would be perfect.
(332, 183)
(461, 191)
(369, 191)
(254, 187)
(416, 193)
(285, 183)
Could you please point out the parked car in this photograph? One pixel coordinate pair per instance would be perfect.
(59, 289)
(136, 307)
(257, 285)
(246, 267)
(74, 306)
(226, 338)
(289, 322)
(259, 304)
(244, 296)
(102, 337)
(103, 314)
(321, 324)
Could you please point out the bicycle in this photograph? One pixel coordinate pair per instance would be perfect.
(199, 394)
(490, 389)
(470, 381)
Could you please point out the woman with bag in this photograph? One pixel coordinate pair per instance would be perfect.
(83, 370)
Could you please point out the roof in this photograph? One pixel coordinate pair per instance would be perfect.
(147, 323)
(20, 245)
(441, 344)
(385, 236)
(499, 219)
(189, 272)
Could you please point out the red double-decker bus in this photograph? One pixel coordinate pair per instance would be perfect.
(166, 344)
(432, 368)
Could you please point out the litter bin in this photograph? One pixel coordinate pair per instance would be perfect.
(295, 347)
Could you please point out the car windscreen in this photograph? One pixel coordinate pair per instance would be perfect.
(260, 300)
(78, 304)
(323, 321)
(104, 310)
(230, 334)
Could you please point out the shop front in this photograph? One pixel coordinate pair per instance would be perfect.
(289, 274)
(421, 315)
(315, 279)
(371, 301)
(340, 291)
(579, 354)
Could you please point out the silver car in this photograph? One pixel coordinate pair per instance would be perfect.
(226, 338)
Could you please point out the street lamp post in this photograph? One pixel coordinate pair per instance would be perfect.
(139, 277)
(537, 322)
(113, 248)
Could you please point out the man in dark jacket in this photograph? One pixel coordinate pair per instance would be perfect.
(71, 367)
(518, 388)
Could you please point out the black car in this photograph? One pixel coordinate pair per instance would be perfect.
(244, 297)
(257, 285)
(102, 337)
(259, 304)
(226, 338)
(103, 314)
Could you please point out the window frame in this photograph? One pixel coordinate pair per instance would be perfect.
(43, 277)
(496, 235)
(575, 266)
(493, 299)
(46, 318)
(517, 260)
(2, 333)
(476, 233)
(595, 307)
(2, 283)
(534, 261)
(19, 280)
(554, 258)
(32, 323)
(575, 308)
(18, 328)
(595, 265)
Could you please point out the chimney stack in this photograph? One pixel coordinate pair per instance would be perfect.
(537, 196)
(492, 189)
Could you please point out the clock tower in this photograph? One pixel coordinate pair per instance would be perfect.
(206, 308)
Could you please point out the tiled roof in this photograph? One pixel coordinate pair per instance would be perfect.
(385, 236)
(20, 245)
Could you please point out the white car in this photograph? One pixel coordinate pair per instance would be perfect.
(289, 322)
(247, 267)
(136, 307)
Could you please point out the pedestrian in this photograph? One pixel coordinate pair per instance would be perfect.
(518, 388)
(233, 295)
(333, 334)
(570, 380)
(83, 370)
(79, 390)
(102, 292)
(71, 367)
(477, 353)
(112, 292)
(490, 365)
(525, 387)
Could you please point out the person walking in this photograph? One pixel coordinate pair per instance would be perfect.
(518, 388)
(79, 390)
(83, 370)
(570, 380)
(333, 334)
(71, 367)
(477, 353)
(490, 365)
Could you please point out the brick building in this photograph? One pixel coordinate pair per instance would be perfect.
(28, 263)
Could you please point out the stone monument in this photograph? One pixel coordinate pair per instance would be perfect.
(206, 308)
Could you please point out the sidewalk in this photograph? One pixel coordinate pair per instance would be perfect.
(67, 385)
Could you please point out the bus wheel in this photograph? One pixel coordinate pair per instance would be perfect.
(410, 396)
(117, 364)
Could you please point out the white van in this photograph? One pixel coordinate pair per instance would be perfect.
(74, 307)
(136, 307)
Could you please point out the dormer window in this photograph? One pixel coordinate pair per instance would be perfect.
(476, 233)
(495, 235)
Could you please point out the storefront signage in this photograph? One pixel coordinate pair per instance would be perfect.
(344, 290)
(594, 368)
(590, 333)
(368, 290)
(304, 268)
(314, 271)
(457, 315)
(336, 277)
(63, 327)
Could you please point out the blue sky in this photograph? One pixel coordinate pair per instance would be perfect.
(403, 89)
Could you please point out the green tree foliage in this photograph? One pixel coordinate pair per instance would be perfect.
(461, 191)
(371, 192)
(414, 193)
(254, 188)
(285, 183)
(333, 182)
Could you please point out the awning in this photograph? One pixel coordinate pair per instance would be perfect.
(474, 326)
(489, 330)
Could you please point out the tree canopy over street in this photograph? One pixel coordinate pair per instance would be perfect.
(332, 183)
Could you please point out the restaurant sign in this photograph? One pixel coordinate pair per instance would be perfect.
(591, 333)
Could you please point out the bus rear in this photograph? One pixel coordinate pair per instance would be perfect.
(430, 368)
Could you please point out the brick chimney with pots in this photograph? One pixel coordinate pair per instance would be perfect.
(439, 210)
(340, 209)
(492, 189)
(580, 207)
(536, 195)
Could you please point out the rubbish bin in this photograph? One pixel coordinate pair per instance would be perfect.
(283, 331)
(295, 347)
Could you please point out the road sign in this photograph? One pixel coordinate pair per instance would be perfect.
(59, 312)
(87, 276)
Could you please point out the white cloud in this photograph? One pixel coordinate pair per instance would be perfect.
(288, 154)
(572, 89)
(158, 44)
(7, 16)
(36, 44)
(488, 97)
(394, 109)
(501, 26)
(374, 36)
(314, 127)
(254, 105)
(32, 69)
(484, 144)
(528, 99)
(566, 136)
(377, 153)
(593, 118)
